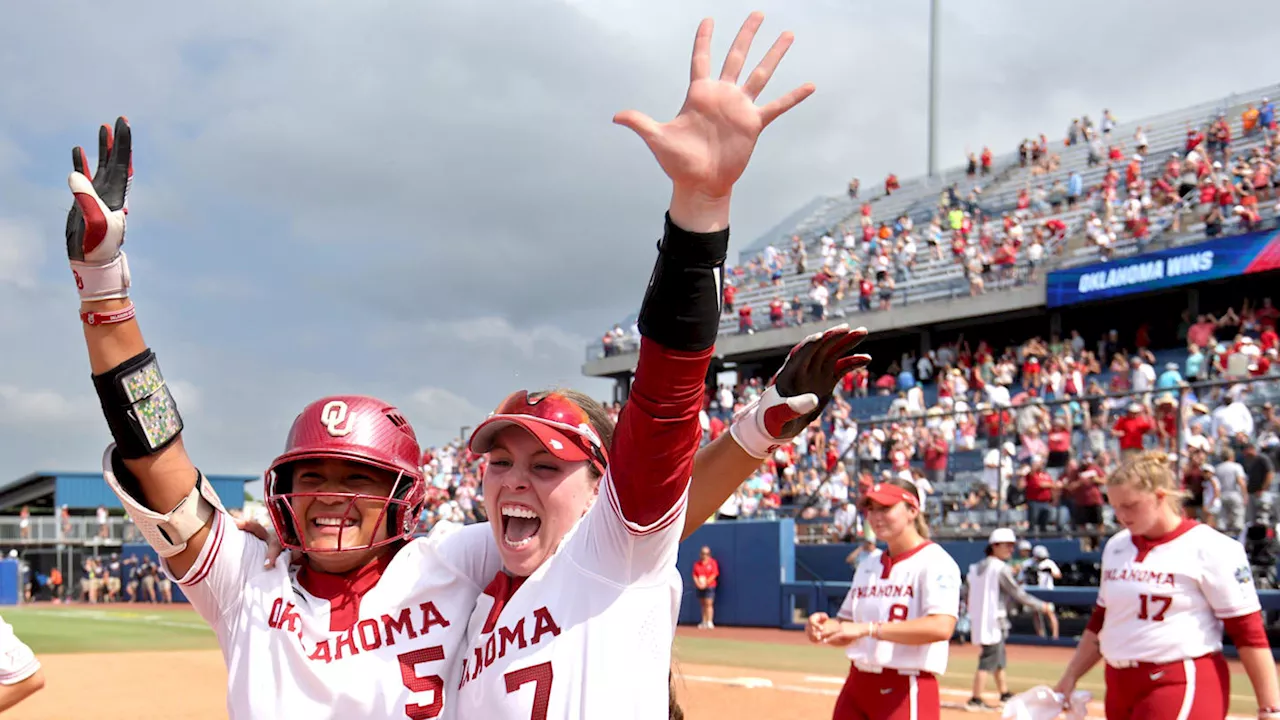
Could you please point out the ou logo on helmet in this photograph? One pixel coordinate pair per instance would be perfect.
(335, 418)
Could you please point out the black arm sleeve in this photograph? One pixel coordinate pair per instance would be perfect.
(681, 308)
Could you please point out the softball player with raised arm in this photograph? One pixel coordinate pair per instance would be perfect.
(898, 617)
(1170, 586)
(588, 518)
(361, 620)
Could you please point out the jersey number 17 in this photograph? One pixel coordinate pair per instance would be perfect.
(1153, 607)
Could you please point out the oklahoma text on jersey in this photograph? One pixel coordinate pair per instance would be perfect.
(368, 634)
(382, 642)
(1166, 601)
(923, 582)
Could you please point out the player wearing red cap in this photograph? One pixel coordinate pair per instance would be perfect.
(365, 623)
(1170, 586)
(588, 518)
(899, 615)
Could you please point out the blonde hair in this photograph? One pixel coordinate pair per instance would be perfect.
(1149, 472)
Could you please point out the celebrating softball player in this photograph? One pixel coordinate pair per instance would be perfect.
(363, 621)
(580, 623)
(1169, 588)
(899, 614)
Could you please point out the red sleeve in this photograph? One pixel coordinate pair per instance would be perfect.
(1247, 630)
(658, 433)
(715, 569)
(1096, 619)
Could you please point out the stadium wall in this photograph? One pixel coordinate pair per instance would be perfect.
(826, 563)
(756, 559)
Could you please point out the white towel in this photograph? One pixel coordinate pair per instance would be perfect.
(1042, 703)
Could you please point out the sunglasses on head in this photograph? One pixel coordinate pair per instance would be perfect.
(561, 413)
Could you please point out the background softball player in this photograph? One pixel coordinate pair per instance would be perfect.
(1169, 588)
(898, 616)
(20, 674)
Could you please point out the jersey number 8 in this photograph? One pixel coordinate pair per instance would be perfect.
(898, 612)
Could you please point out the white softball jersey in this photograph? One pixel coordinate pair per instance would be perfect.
(588, 635)
(1166, 601)
(923, 582)
(382, 646)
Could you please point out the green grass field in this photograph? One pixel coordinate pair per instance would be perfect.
(80, 629)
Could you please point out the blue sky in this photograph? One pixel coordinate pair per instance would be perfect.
(427, 201)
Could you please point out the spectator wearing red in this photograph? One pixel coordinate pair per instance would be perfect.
(935, 458)
(1083, 485)
(1131, 430)
(745, 323)
(1059, 443)
(891, 184)
(1201, 333)
(986, 160)
(729, 292)
(706, 575)
(1039, 488)
(777, 317)
(1267, 339)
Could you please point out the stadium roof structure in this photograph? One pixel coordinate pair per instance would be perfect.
(81, 491)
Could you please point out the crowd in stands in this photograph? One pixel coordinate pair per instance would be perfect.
(1218, 182)
(1021, 435)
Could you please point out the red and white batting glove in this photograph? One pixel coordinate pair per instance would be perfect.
(799, 391)
(96, 223)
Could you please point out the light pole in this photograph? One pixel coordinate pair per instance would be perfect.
(934, 23)
(462, 433)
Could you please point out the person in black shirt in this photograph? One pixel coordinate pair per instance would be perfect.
(1258, 471)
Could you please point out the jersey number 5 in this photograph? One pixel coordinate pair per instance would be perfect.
(541, 677)
(415, 682)
(898, 613)
(1160, 603)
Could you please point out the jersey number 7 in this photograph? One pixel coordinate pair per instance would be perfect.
(541, 676)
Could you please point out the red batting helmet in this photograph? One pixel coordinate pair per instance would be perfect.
(358, 429)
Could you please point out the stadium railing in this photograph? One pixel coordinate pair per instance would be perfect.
(79, 530)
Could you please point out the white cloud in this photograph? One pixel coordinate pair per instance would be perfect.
(186, 394)
(21, 252)
(440, 413)
(24, 408)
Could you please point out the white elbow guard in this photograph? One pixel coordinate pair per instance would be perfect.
(169, 532)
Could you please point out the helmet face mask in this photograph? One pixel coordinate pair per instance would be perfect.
(357, 430)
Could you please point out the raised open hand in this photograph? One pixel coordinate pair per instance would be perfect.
(707, 146)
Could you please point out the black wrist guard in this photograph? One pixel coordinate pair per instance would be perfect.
(140, 412)
(681, 308)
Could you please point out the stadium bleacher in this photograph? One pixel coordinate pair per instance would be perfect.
(933, 279)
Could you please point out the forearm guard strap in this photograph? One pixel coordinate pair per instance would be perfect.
(140, 412)
(681, 308)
